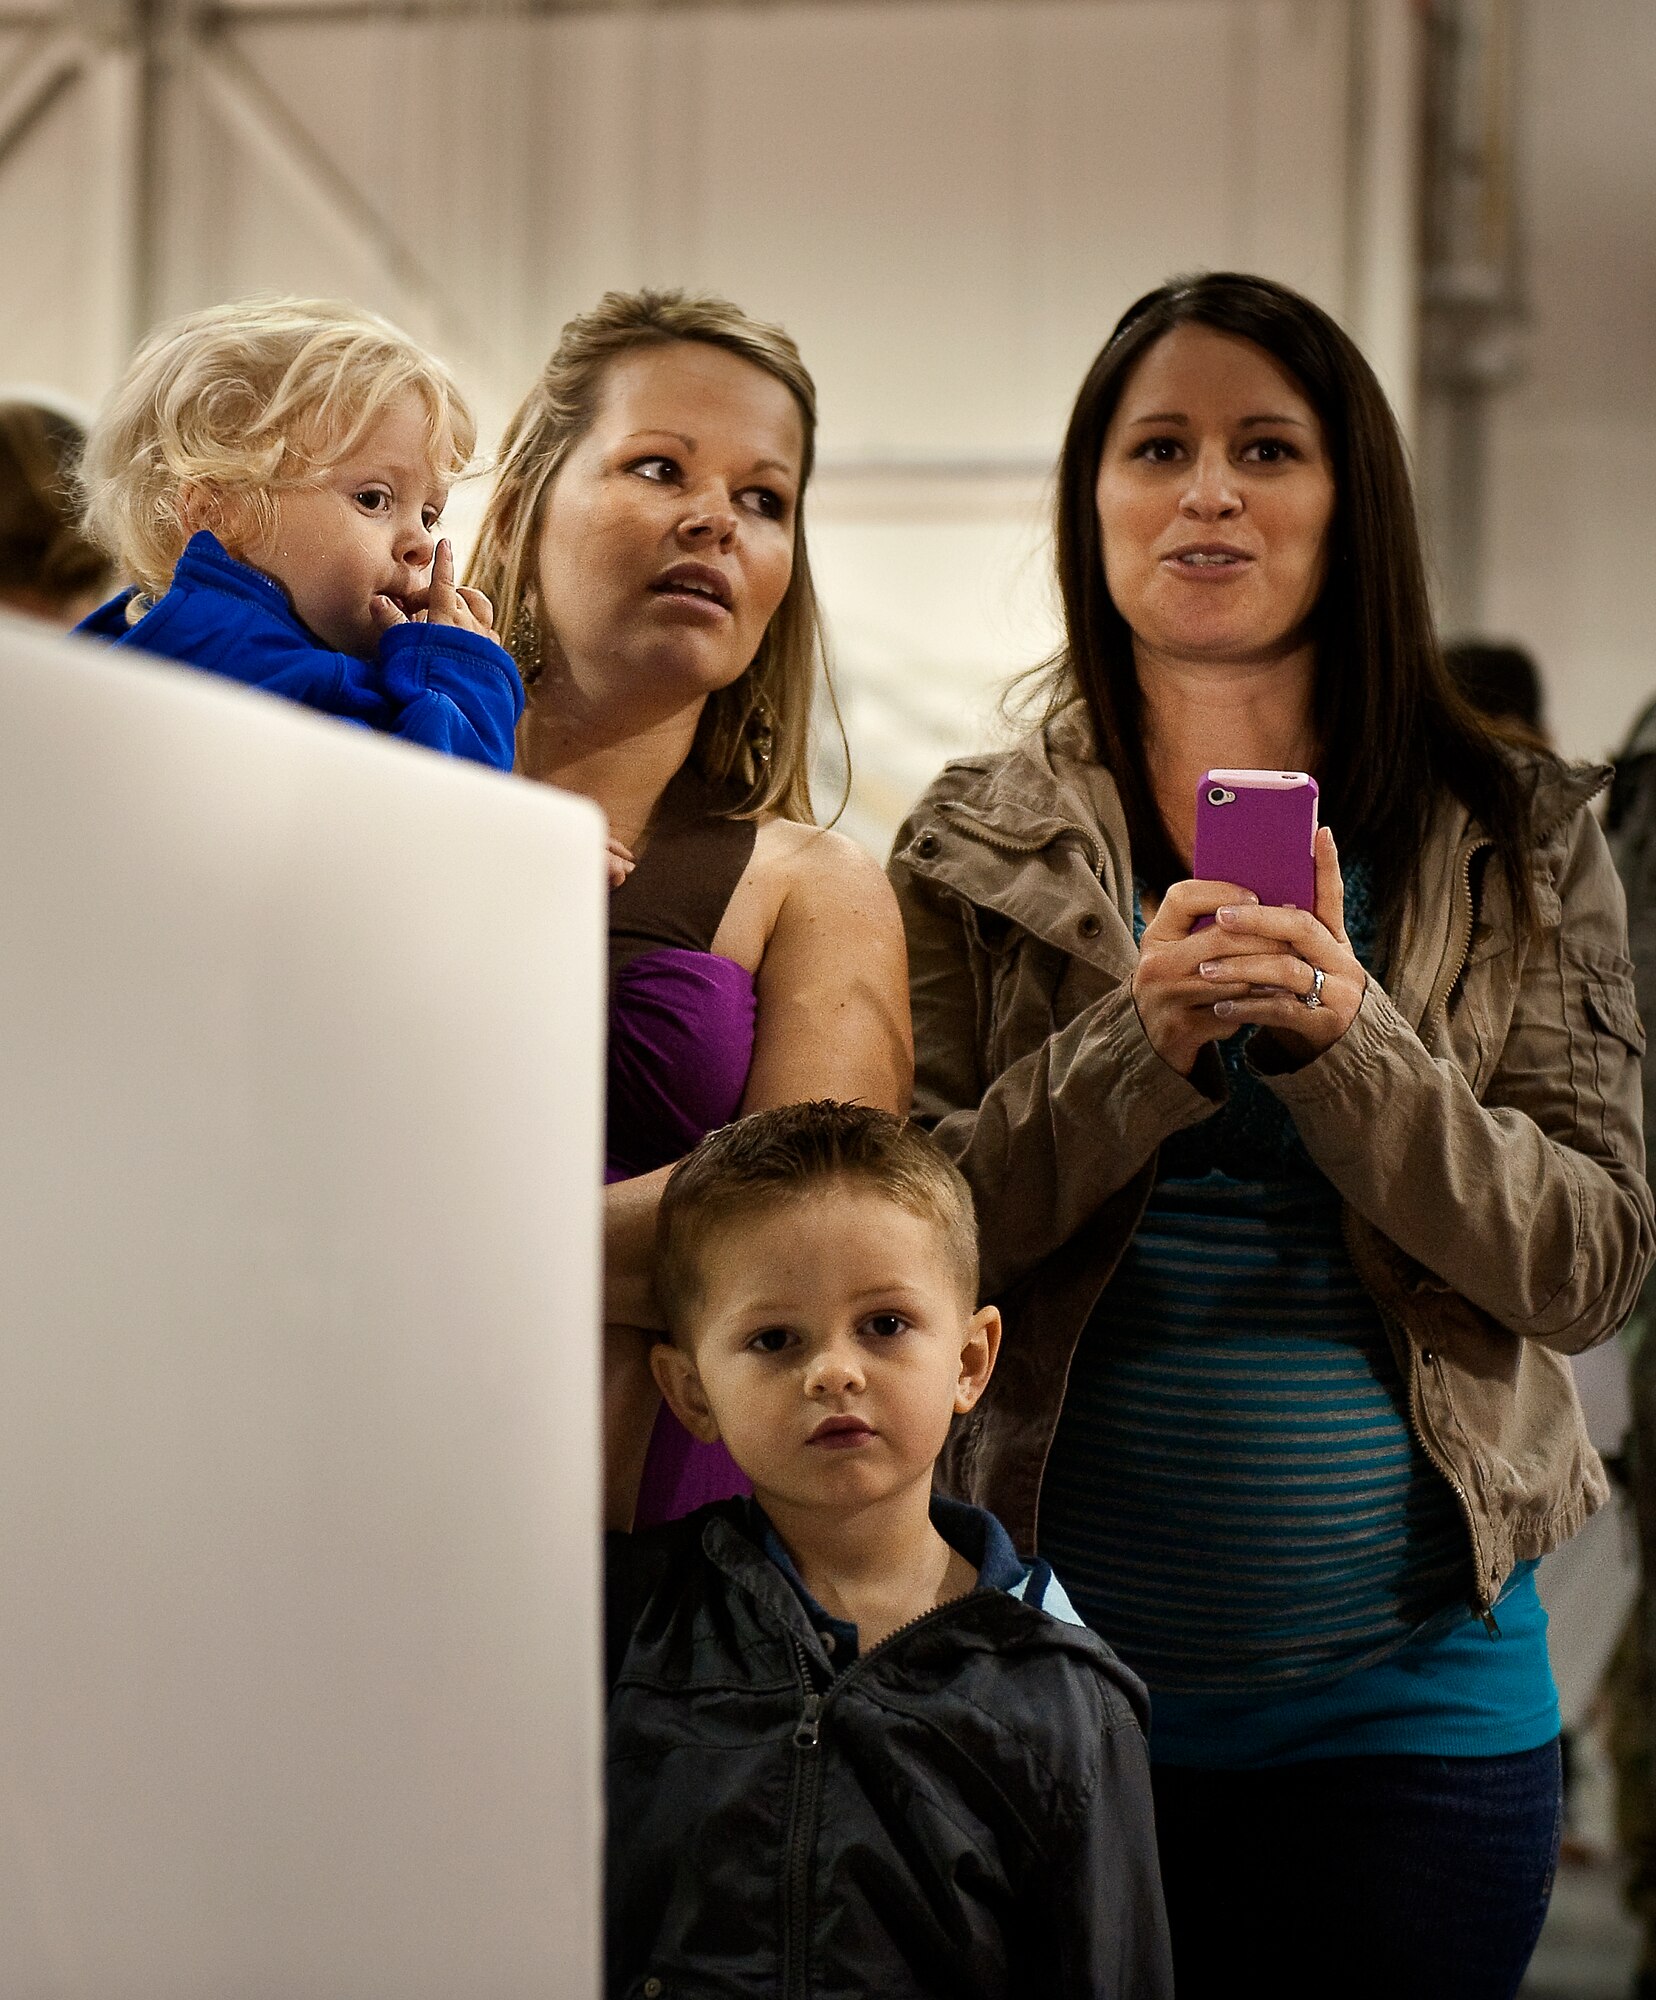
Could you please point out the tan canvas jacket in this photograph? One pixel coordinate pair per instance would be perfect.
(1481, 1119)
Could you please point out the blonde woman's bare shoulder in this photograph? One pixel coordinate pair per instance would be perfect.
(804, 874)
(814, 864)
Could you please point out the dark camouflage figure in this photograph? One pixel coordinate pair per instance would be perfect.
(1631, 825)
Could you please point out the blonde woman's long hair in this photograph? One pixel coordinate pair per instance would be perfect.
(753, 741)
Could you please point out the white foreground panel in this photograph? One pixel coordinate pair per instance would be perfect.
(300, 1040)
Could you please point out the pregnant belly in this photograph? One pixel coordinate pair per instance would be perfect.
(1235, 1497)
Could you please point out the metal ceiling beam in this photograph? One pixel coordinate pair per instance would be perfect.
(1473, 307)
(257, 116)
(208, 14)
(323, 10)
(45, 73)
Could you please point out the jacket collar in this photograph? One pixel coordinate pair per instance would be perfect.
(1557, 791)
(1561, 790)
(1052, 784)
(1051, 788)
(968, 1530)
(740, 1541)
(206, 564)
(733, 1540)
(1039, 838)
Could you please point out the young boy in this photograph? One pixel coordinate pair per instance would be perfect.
(856, 1747)
(273, 474)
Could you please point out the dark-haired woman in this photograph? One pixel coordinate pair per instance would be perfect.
(1293, 1216)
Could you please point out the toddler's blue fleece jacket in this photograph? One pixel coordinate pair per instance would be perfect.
(449, 689)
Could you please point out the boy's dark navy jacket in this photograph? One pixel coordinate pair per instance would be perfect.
(962, 1813)
(449, 689)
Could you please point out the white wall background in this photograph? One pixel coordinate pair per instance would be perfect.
(947, 204)
(1571, 550)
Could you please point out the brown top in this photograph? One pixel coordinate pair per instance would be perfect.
(686, 876)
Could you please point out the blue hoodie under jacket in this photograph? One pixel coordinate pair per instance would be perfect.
(439, 685)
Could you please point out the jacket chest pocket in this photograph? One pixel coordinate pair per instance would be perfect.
(1607, 1040)
(1562, 1029)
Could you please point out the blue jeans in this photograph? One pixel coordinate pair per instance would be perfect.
(1400, 1878)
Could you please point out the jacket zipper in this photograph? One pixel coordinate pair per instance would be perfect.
(1007, 844)
(804, 1794)
(1440, 999)
(1485, 1603)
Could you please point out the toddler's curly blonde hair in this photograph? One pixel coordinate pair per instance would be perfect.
(240, 402)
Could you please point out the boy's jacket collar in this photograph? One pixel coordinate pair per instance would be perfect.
(987, 1619)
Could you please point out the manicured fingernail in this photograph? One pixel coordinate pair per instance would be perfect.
(1224, 1008)
(1229, 914)
(1208, 967)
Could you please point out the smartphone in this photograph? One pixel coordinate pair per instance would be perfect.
(1256, 828)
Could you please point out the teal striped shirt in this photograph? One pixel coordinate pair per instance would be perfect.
(1234, 1494)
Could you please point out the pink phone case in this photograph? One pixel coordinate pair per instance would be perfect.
(1256, 828)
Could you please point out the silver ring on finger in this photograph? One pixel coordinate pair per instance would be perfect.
(1314, 997)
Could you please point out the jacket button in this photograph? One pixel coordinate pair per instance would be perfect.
(652, 1988)
(1089, 926)
(1427, 1357)
(927, 844)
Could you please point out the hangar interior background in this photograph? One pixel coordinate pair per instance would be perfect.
(947, 202)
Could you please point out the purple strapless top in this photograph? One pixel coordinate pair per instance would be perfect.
(681, 1044)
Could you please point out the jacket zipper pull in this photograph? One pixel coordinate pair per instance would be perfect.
(1489, 1625)
(809, 1730)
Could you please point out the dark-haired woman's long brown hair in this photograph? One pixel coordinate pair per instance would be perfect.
(1393, 733)
(48, 564)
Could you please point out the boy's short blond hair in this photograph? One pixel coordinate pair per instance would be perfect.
(794, 1151)
(244, 400)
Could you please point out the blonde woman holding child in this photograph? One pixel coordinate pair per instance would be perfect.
(273, 473)
(645, 552)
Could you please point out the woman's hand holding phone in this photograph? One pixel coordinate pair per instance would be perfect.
(1251, 967)
(1174, 998)
(1279, 954)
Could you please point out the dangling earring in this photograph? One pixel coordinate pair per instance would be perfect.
(523, 641)
(761, 729)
